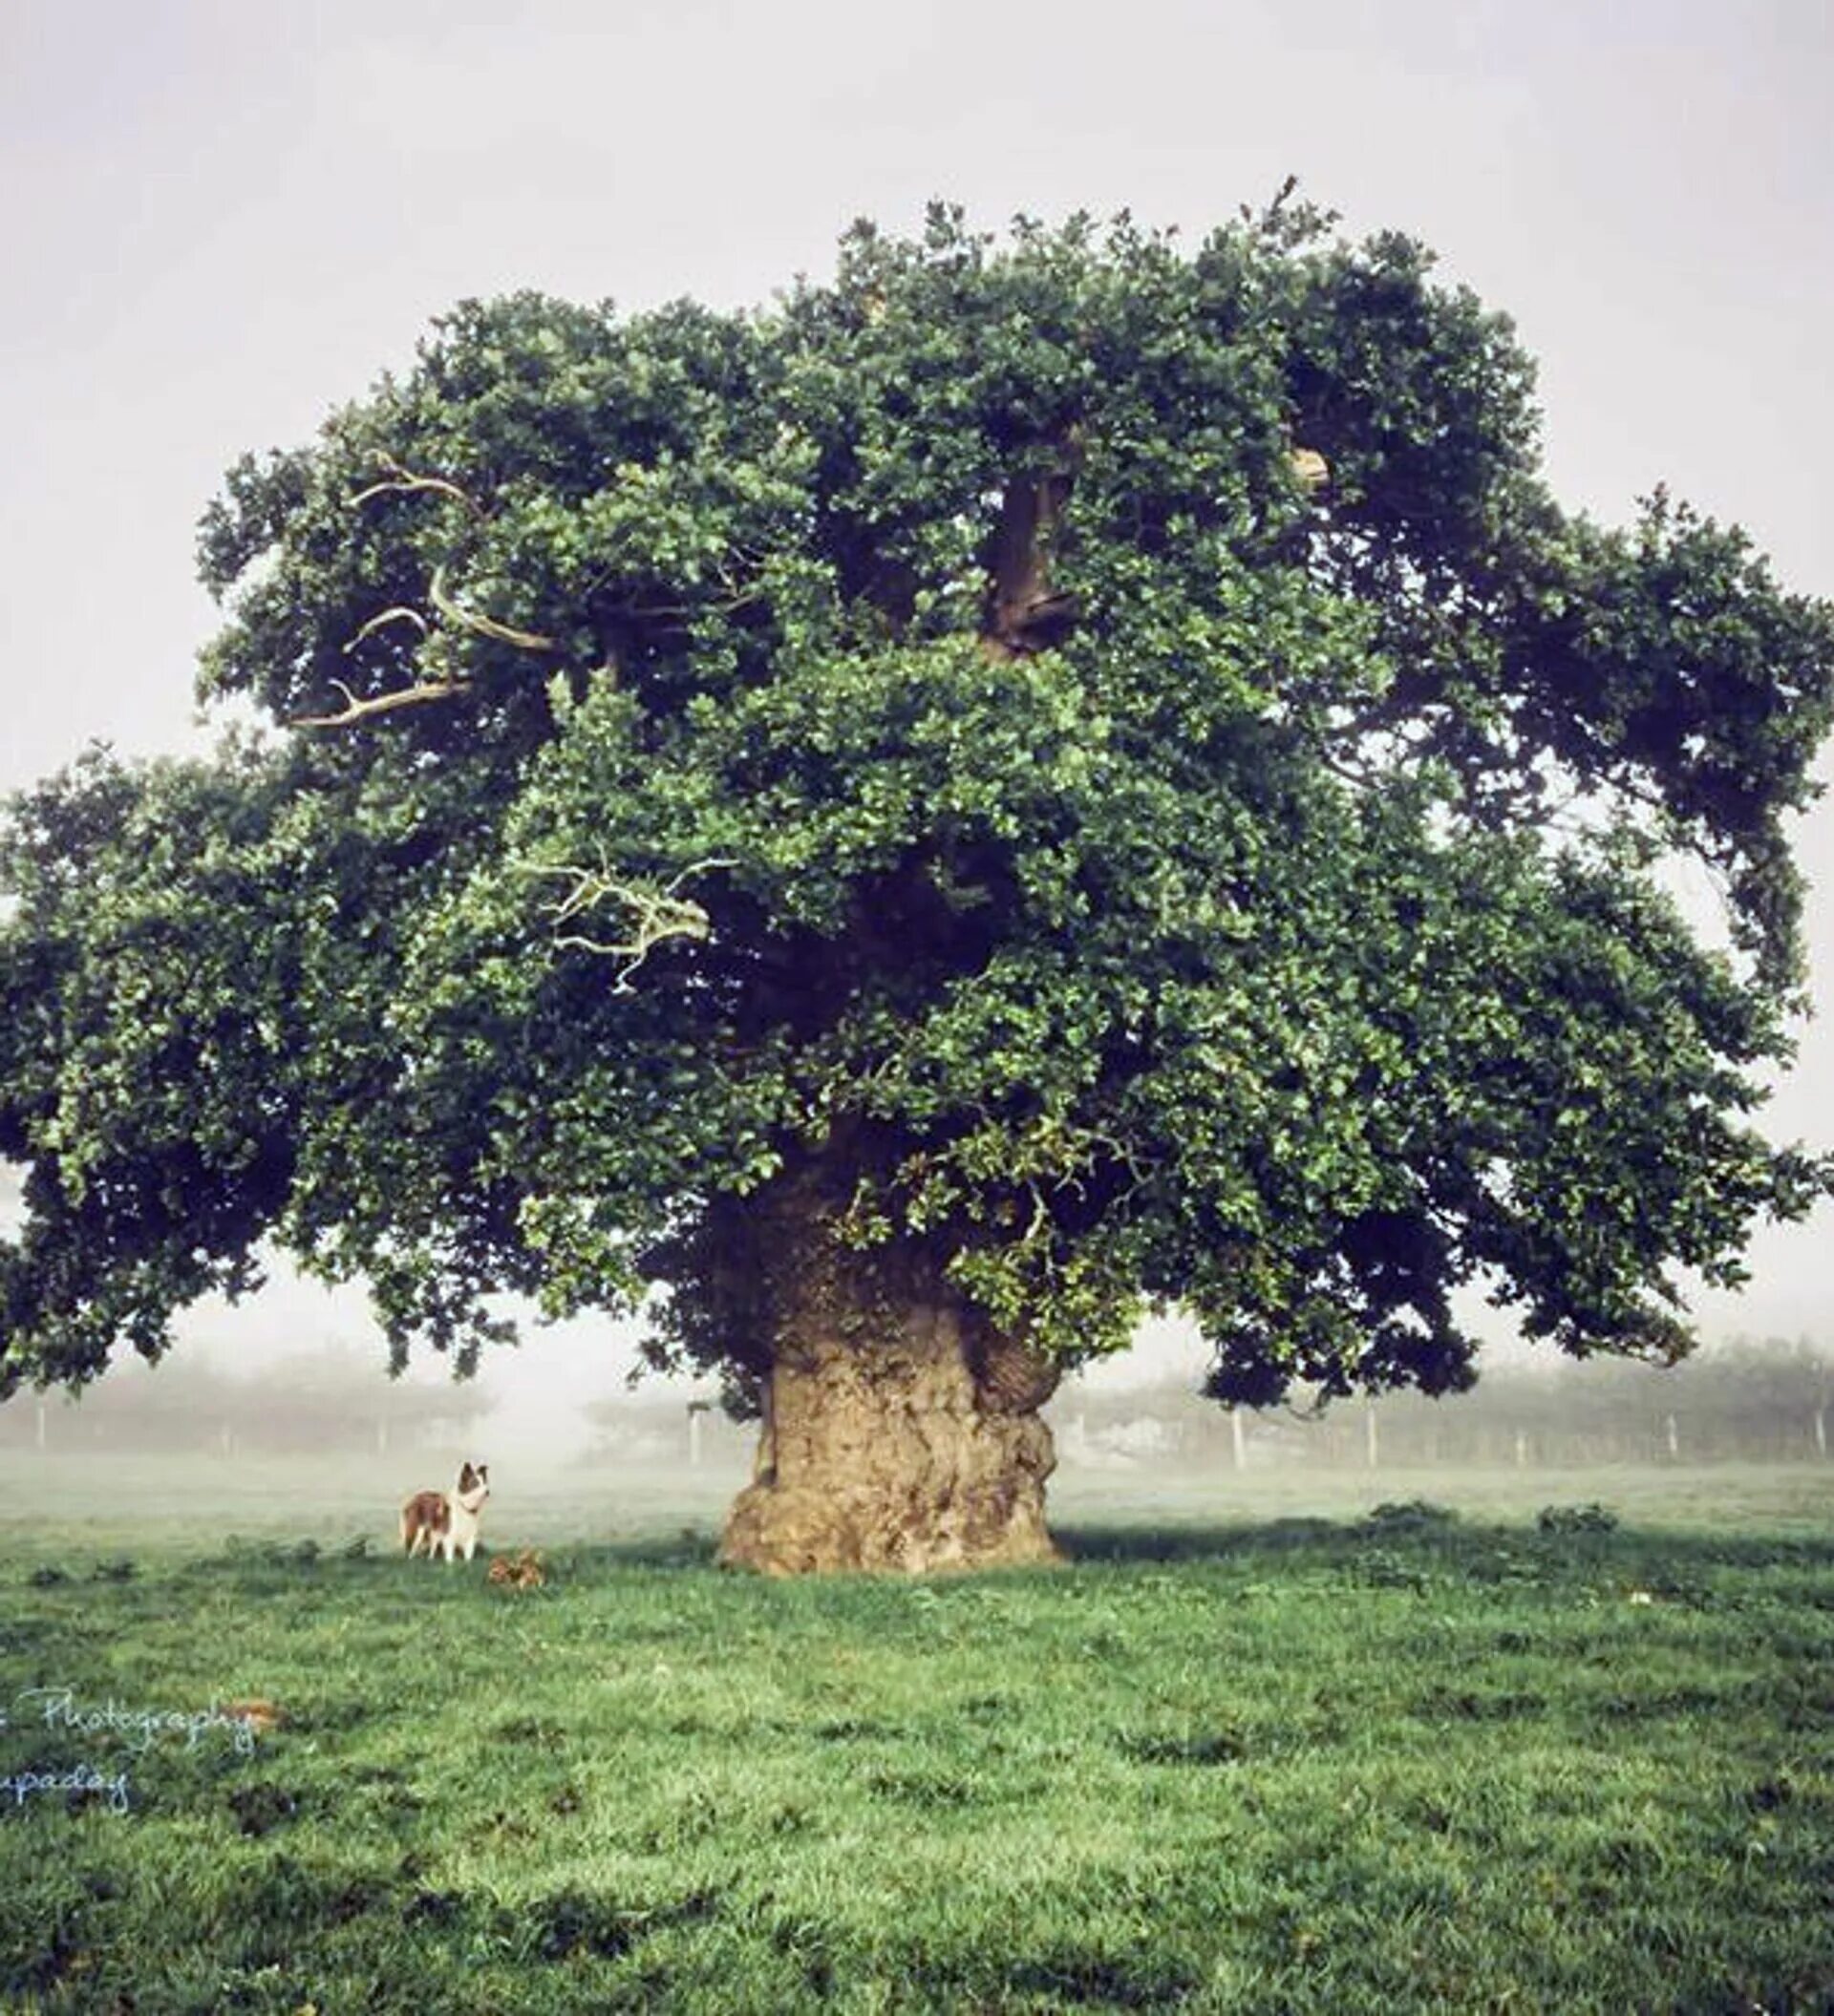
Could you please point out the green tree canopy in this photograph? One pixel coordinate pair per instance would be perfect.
(1107, 751)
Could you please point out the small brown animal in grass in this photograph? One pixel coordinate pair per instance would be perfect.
(261, 1716)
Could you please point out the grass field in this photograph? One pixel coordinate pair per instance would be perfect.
(1254, 1750)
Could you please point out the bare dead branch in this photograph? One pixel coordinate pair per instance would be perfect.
(700, 867)
(400, 613)
(399, 480)
(658, 914)
(482, 626)
(356, 710)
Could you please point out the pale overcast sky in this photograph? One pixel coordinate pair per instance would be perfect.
(218, 219)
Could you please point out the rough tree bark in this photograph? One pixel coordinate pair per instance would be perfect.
(900, 1433)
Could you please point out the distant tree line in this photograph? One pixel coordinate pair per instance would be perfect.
(660, 1421)
(324, 1401)
(1750, 1400)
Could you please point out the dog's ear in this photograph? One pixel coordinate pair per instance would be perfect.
(464, 1476)
(483, 1473)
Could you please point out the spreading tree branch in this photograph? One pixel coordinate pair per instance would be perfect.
(659, 913)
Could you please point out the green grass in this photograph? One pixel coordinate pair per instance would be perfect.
(1322, 1764)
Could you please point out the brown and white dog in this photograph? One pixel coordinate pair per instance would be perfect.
(447, 1519)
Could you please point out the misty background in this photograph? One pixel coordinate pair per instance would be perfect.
(220, 222)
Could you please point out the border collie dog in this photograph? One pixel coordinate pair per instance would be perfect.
(447, 1519)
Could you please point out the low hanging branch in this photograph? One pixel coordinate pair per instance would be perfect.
(658, 914)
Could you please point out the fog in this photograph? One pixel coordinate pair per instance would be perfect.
(325, 1394)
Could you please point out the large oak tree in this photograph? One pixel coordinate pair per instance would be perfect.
(888, 833)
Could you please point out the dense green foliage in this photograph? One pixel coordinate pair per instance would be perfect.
(1401, 1764)
(1112, 751)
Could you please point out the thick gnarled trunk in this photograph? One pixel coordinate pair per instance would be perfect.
(900, 1433)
